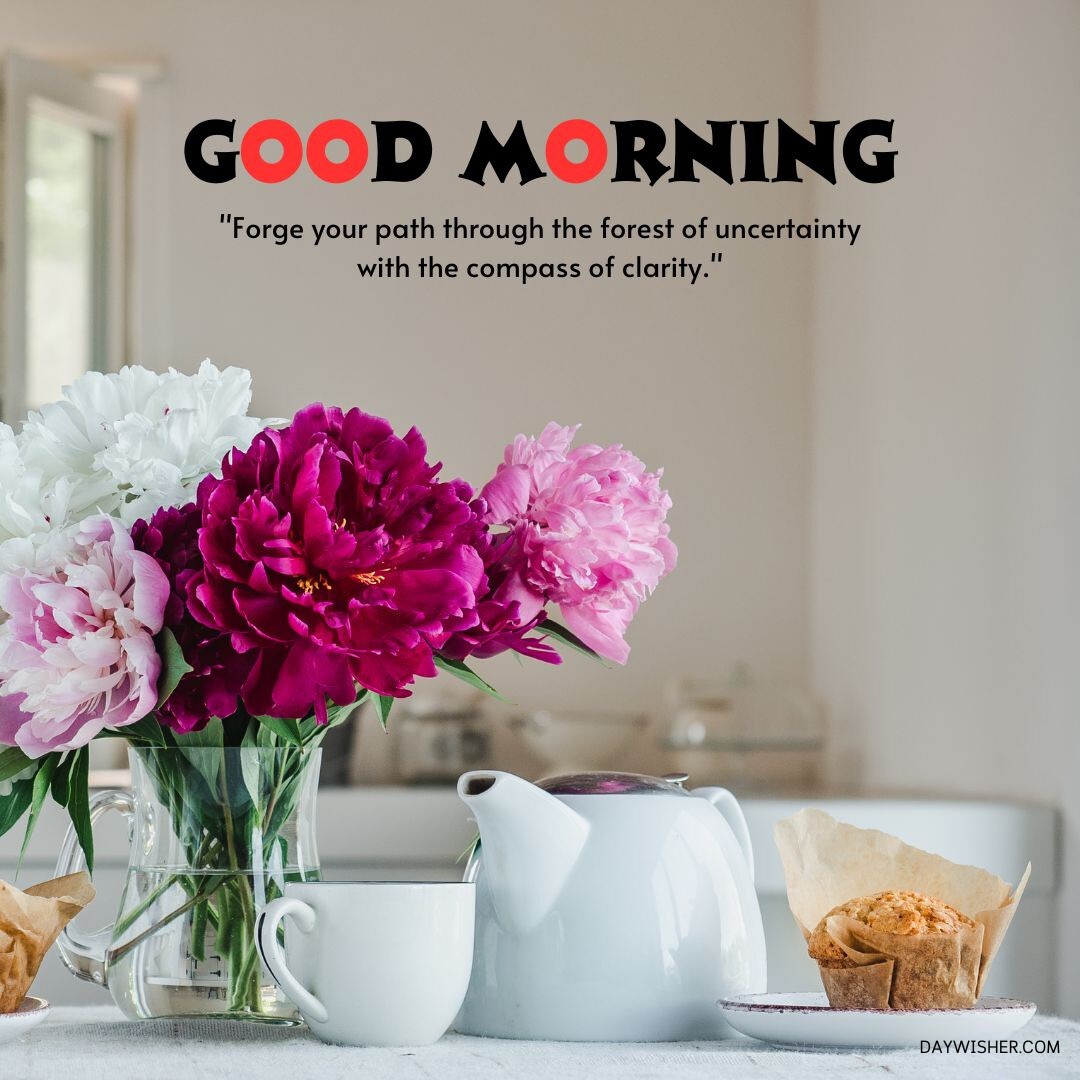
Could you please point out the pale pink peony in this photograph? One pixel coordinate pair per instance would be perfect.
(590, 533)
(77, 652)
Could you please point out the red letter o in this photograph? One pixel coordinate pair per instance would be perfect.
(337, 172)
(292, 151)
(576, 172)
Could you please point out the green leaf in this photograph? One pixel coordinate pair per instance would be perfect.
(173, 665)
(212, 736)
(251, 734)
(263, 735)
(286, 801)
(466, 674)
(251, 769)
(60, 781)
(14, 804)
(42, 780)
(550, 628)
(467, 854)
(288, 730)
(338, 714)
(310, 730)
(383, 704)
(78, 803)
(12, 762)
(144, 732)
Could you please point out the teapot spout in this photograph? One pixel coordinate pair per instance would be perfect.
(531, 843)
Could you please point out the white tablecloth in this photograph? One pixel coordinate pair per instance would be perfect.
(96, 1044)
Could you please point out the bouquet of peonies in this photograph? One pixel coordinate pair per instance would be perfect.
(179, 574)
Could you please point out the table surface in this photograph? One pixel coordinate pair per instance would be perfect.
(76, 1043)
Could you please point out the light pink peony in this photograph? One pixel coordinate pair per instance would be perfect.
(76, 650)
(590, 530)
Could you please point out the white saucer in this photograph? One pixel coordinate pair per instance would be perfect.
(807, 1020)
(30, 1013)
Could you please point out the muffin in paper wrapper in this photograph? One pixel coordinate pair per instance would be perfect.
(827, 863)
(29, 923)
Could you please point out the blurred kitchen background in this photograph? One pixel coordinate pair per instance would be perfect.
(873, 451)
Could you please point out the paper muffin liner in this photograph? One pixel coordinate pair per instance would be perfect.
(827, 862)
(29, 923)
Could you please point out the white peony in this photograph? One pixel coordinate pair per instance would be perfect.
(21, 512)
(129, 443)
(29, 508)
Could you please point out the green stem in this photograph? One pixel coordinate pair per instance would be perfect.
(154, 895)
(226, 925)
(229, 938)
(243, 988)
(198, 930)
(272, 801)
(230, 837)
(241, 955)
(187, 905)
(247, 978)
(228, 833)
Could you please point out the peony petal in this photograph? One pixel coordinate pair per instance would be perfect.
(63, 598)
(390, 674)
(437, 594)
(601, 630)
(151, 592)
(266, 615)
(12, 718)
(95, 650)
(506, 494)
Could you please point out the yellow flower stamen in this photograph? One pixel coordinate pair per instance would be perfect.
(367, 577)
(312, 583)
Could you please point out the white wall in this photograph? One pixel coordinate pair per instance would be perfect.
(709, 382)
(946, 446)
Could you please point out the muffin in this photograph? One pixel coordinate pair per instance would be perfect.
(897, 950)
(920, 932)
(894, 912)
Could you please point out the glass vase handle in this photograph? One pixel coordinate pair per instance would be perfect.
(84, 952)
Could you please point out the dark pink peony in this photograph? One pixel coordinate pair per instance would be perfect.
(212, 687)
(504, 624)
(334, 557)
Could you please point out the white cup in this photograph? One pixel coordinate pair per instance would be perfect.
(373, 963)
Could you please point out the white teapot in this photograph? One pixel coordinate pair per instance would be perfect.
(609, 906)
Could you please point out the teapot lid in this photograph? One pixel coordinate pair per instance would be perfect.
(614, 783)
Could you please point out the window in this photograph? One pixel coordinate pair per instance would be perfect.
(64, 148)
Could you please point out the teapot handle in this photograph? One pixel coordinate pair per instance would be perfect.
(731, 811)
(84, 953)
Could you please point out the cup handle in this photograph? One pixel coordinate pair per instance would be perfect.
(272, 956)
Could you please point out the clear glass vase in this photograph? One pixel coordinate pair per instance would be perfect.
(216, 834)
